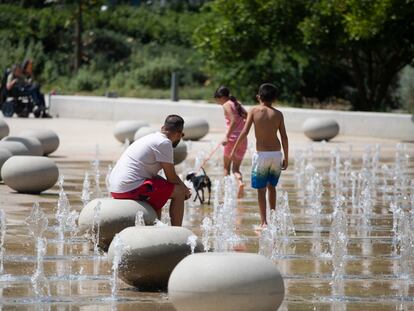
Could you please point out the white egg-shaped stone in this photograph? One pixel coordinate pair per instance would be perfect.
(48, 138)
(4, 156)
(320, 128)
(15, 147)
(126, 129)
(114, 216)
(226, 281)
(4, 128)
(180, 152)
(144, 131)
(32, 144)
(195, 128)
(29, 174)
(151, 254)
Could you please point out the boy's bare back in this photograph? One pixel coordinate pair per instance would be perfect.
(267, 122)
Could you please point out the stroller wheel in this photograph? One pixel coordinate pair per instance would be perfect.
(24, 113)
(8, 108)
(37, 112)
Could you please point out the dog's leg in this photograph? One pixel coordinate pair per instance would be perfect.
(202, 194)
(209, 193)
(197, 195)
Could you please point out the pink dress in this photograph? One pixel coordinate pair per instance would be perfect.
(242, 147)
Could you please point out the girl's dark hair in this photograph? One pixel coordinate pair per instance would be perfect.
(223, 91)
(25, 64)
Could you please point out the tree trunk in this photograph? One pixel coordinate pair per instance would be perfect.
(373, 80)
(78, 36)
(359, 79)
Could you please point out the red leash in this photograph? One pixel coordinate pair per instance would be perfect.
(209, 157)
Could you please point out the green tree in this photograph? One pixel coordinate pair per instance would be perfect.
(275, 40)
(248, 42)
(373, 40)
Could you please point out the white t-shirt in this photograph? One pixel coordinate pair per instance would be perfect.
(140, 161)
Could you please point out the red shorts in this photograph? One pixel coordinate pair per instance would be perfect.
(155, 191)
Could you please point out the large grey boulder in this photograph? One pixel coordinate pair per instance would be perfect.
(32, 144)
(195, 128)
(151, 254)
(226, 281)
(126, 129)
(48, 138)
(4, 156)
(114, 216)
(180, 152)
(320, 128)
(144, 131)
(15, 147)
(4, 128)
(29, 174)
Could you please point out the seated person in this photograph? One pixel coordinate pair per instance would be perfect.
(16, 81)
(34, 88)
(135, 175)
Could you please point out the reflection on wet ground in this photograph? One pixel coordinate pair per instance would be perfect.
(80, 280)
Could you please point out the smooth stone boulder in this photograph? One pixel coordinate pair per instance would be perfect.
(114, 216)
(151, 254)
(4, 156)
(32, 144)
(4, 128)
(29, 174)
(48, 138)
(320, 128)
(15, 147)
(195, 128)
(144, 131)
(180, 152)
(226, 281)
(126, 129)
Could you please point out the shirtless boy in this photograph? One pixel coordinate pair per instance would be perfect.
(268, 160)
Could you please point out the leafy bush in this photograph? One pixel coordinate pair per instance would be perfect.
(157, 71)
(107, 44)
(86, 80)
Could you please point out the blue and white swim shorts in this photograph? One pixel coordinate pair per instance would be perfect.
(266, 168)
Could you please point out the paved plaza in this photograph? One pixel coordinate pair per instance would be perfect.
(307, 280)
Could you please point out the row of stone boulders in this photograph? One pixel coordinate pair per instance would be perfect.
(22, 165)
(317, 129)
(132, 130)
(158, 257)
(194, 129)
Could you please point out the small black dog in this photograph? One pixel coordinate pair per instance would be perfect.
(199, 183)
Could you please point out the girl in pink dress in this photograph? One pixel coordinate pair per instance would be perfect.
(235, 116)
